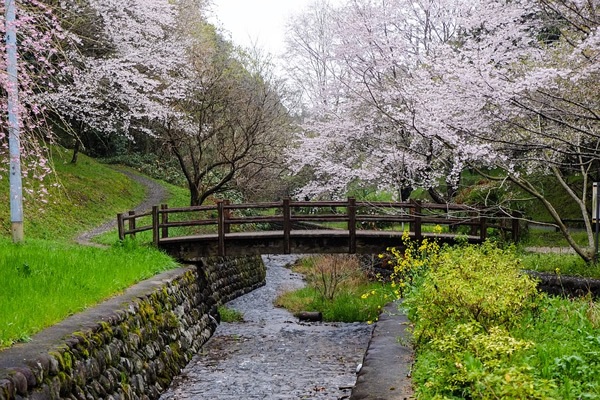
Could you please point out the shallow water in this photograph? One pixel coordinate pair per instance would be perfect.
(271, 355)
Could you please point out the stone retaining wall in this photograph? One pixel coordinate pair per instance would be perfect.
(131, 346)
(568, 286)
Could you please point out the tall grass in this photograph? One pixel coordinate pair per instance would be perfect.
(335, 287)
(43, 282)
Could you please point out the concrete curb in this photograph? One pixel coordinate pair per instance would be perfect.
(386, 368)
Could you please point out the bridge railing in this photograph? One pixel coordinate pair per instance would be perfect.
(287, 216)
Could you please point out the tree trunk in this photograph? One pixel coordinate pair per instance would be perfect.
(195, 199)
(76, 150)
(436, 196)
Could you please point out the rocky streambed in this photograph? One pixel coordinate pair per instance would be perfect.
(271, 355)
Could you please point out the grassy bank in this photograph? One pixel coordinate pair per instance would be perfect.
(88, 194)
(48, 277)
(43, 282)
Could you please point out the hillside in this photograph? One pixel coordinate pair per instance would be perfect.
(79, 197)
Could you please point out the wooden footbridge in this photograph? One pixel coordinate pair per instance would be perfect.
(305, 227)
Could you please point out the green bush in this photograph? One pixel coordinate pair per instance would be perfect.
(471, 284)
(483, 332)
(463, 311)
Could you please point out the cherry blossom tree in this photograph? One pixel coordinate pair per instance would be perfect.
(544, 112)
(442, 85)
(364, 118)
(127, 71)
(39, 35)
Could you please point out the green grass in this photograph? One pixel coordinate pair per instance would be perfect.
(347, 305)
(43, 282)
(177, 197)
(48, 277)
(549, 238)
(566, 334)
(346, 302)
(564, 264)
(230, 315)
(89, 194)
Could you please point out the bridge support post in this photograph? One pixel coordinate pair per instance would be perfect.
(221, 227)
(287, 226)
(352, 225)
(155, 224)
(164, 220)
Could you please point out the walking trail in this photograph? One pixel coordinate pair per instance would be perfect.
(155, 194)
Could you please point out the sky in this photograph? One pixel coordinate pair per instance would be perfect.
(261, 21)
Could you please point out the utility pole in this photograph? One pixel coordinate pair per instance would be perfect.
(14, 140)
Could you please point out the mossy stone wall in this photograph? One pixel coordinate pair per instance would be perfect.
(131, 346)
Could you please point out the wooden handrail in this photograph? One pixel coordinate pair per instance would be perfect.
(288, 214)
(352, 225)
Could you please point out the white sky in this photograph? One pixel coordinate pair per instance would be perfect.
(261, 21)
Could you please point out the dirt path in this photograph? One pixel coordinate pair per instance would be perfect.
(155, 194)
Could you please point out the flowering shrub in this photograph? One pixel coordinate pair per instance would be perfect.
(409, 262)
(480, 284)
(463, 313)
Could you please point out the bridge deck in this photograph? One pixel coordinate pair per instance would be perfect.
(191, 248)
(304, 226)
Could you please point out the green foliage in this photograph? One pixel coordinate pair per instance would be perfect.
(551, 354)
(410, 262)
(43, 282)
(346, 306)
(483, 332)
(484, 192)
(230, 315)
(471, 363)
(336, 287)
(483, 285)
